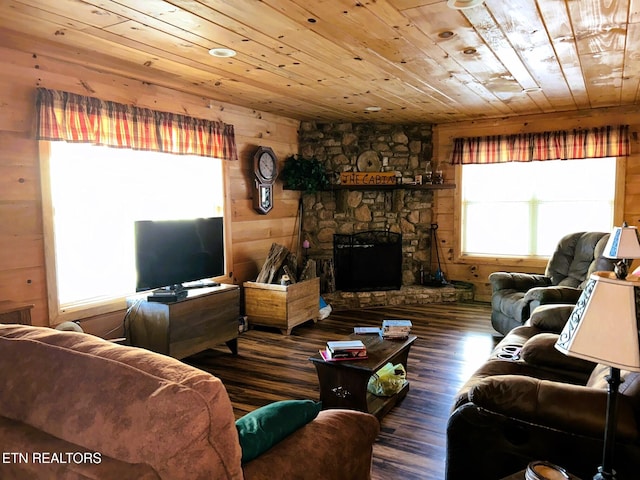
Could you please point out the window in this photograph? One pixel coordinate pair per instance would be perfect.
(96, 193)
(523, 208)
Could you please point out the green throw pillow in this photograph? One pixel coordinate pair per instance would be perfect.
(264, 427)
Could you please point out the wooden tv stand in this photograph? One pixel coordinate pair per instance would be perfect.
(204, 319)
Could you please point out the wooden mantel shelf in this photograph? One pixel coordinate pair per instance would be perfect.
(406, 186)
(342, 191)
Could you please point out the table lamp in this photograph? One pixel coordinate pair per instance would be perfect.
(603, 328)
(623, 246)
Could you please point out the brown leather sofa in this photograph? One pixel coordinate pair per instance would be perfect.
(74, 406)
(515, 295)
(530, 402)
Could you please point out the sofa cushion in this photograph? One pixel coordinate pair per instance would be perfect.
(551, 317)
(540, 350)
(127, 403)
(263, 428)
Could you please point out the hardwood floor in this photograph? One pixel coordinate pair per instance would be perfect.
(453, 340)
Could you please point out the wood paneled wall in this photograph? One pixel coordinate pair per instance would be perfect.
(445, 213)
(24, 68)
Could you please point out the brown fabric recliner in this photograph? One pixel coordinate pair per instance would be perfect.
(530, 402)
(515, 295)
(74, 406)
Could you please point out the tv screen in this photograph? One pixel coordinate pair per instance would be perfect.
(171, 252)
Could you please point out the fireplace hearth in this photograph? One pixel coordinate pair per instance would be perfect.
(368, 261)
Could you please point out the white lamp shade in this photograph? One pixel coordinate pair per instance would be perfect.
(603, 326)
(623, 243)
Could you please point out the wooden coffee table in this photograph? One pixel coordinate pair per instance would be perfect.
(343, 384)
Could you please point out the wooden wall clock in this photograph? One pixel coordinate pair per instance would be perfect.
(265, 170)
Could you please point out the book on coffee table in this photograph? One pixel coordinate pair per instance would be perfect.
(396, 328)
(327, 356)
(345, 349)
(366, 330)
(341, 345)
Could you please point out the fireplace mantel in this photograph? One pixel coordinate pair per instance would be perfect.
(405, 186)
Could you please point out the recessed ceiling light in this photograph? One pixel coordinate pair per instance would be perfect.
(222, 52)
(373, 109)
(446, 34)
(469, 51)
(462, 4)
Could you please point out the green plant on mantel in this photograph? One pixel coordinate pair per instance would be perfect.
(306, 174)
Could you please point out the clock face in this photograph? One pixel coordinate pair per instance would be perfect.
(267, 166)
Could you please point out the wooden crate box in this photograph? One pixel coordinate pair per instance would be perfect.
(282, 306)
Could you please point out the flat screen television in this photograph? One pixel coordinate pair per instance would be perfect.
(169, 253)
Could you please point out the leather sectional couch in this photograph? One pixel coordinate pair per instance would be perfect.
(530, 402)
(74, 406)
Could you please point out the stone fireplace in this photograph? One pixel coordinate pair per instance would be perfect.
(403, 149)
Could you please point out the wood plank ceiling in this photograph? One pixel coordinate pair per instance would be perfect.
(331, 59)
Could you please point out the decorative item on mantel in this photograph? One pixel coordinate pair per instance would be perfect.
(369, 161)
(438, 177)
(305, 174)
(368, 178)
(428, 175)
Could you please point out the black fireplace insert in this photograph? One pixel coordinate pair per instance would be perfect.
(368, 261)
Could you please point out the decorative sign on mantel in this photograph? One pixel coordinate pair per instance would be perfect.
(368, 178)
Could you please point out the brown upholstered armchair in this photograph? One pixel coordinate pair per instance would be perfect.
(516, 295)
(531, 402)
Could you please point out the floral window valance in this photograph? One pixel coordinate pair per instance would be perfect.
(76, 118)
(610, 141)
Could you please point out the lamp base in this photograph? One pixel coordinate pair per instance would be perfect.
(606, 471)
(621, 269)
(601, 475)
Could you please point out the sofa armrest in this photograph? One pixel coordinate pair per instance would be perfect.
(553, 294)
(540, 350)
(520, 282)
(551, 317)
(336, 444)
(573, 408)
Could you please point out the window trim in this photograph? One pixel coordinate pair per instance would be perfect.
(79, 311)
(528, 261)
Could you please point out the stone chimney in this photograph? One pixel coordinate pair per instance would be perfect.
(404, 149)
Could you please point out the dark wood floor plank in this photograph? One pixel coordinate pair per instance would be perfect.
(453, 340)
